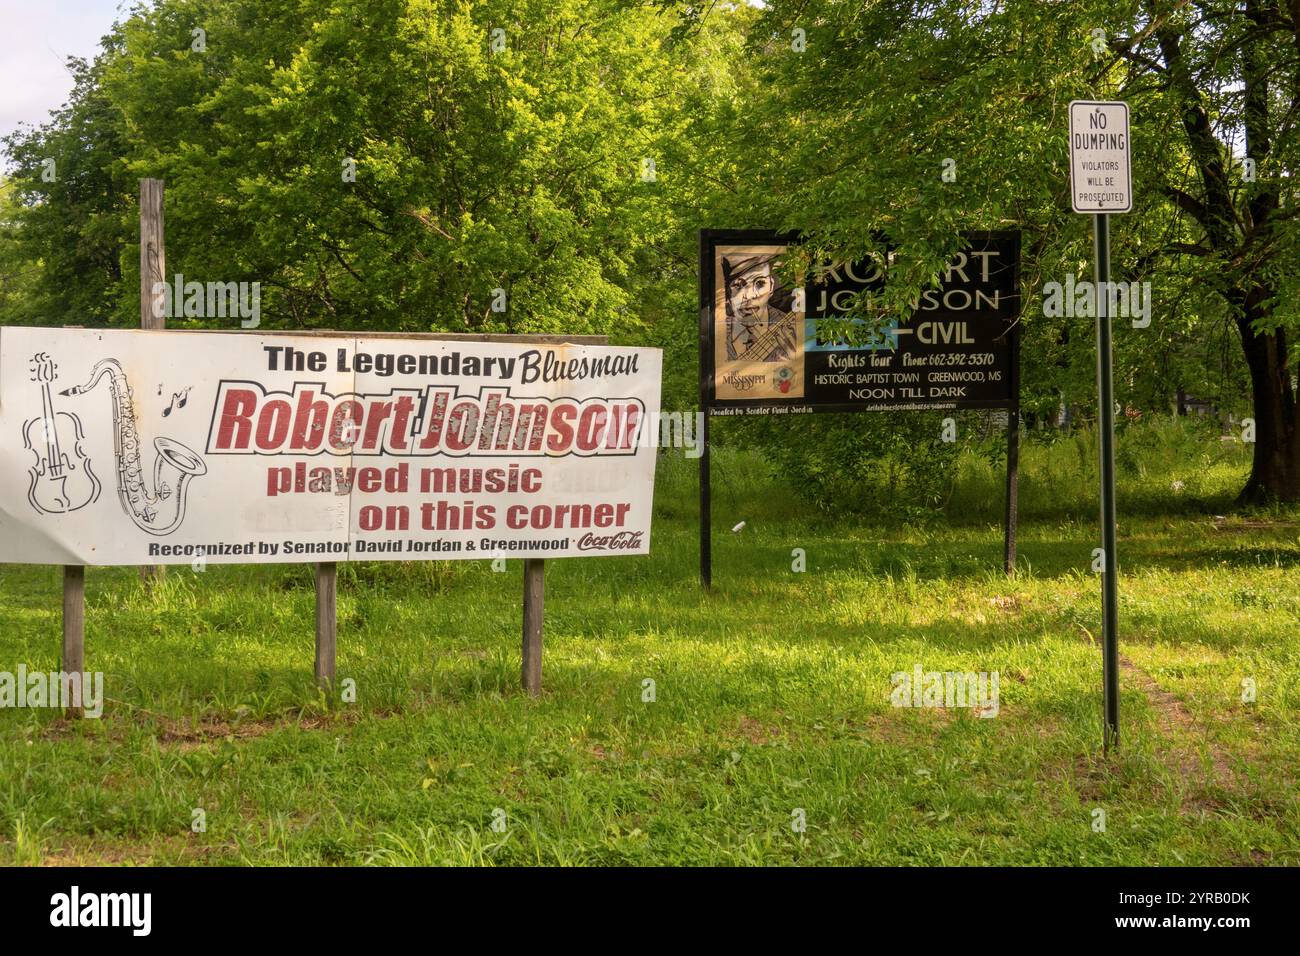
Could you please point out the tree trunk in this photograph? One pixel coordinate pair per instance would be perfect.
(1275, 470)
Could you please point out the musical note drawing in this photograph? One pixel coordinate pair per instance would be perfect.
(183, 398)
(60, 482)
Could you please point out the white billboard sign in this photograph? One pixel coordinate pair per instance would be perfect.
(141, 447)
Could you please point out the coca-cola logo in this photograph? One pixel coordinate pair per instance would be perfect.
(623, 541)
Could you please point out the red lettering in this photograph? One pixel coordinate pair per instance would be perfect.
(591, 428)
(462, 424)
(401, 416)
(627, 435)
(236, 419)
(310, 417)
(342, 434)
(562, 432)
(273, 424)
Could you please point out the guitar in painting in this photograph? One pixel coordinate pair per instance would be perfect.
(61, 478)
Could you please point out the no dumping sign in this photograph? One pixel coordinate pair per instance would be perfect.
(1101, 174)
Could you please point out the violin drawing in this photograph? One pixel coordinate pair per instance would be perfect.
(61, 479)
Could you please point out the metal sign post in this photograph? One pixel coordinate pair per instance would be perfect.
(1106, 424)
(1101, 183)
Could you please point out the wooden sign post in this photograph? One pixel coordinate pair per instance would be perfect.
(534, 602)
(327, 576)
(153, 270)
(326, 572)
(1012, 513)
(73, 658)
(534, 611)
(74, 623)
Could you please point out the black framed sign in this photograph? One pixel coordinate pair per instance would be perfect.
(768, 348)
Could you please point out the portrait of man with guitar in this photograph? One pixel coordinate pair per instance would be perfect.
(759, 334)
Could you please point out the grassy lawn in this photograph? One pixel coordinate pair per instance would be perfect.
(772, 695)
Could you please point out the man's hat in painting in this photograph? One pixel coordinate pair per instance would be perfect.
(736, 266)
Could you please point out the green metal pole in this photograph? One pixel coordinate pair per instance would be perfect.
(1106, 427)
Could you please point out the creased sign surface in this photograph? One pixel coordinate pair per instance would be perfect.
(136, 447)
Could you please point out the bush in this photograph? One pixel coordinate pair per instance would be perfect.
(897, 466)
(890, 464)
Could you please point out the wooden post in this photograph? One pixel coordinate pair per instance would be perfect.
(533, 568)
(706, 389)
(1013, 444)
(706, 510)
(1013, 489)
(153, 270)
(74, 624)
(534, 604)
(153, 261)
(326, 622)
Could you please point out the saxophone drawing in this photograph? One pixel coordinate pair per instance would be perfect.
(161, 510)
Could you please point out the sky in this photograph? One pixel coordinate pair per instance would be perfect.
(36, 38)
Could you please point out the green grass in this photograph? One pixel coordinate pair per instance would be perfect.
(772, 694)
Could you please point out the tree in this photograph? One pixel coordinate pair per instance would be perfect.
(18, 275)
(65, 212)
(395, 164)
(847, 139)
(398, 164)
